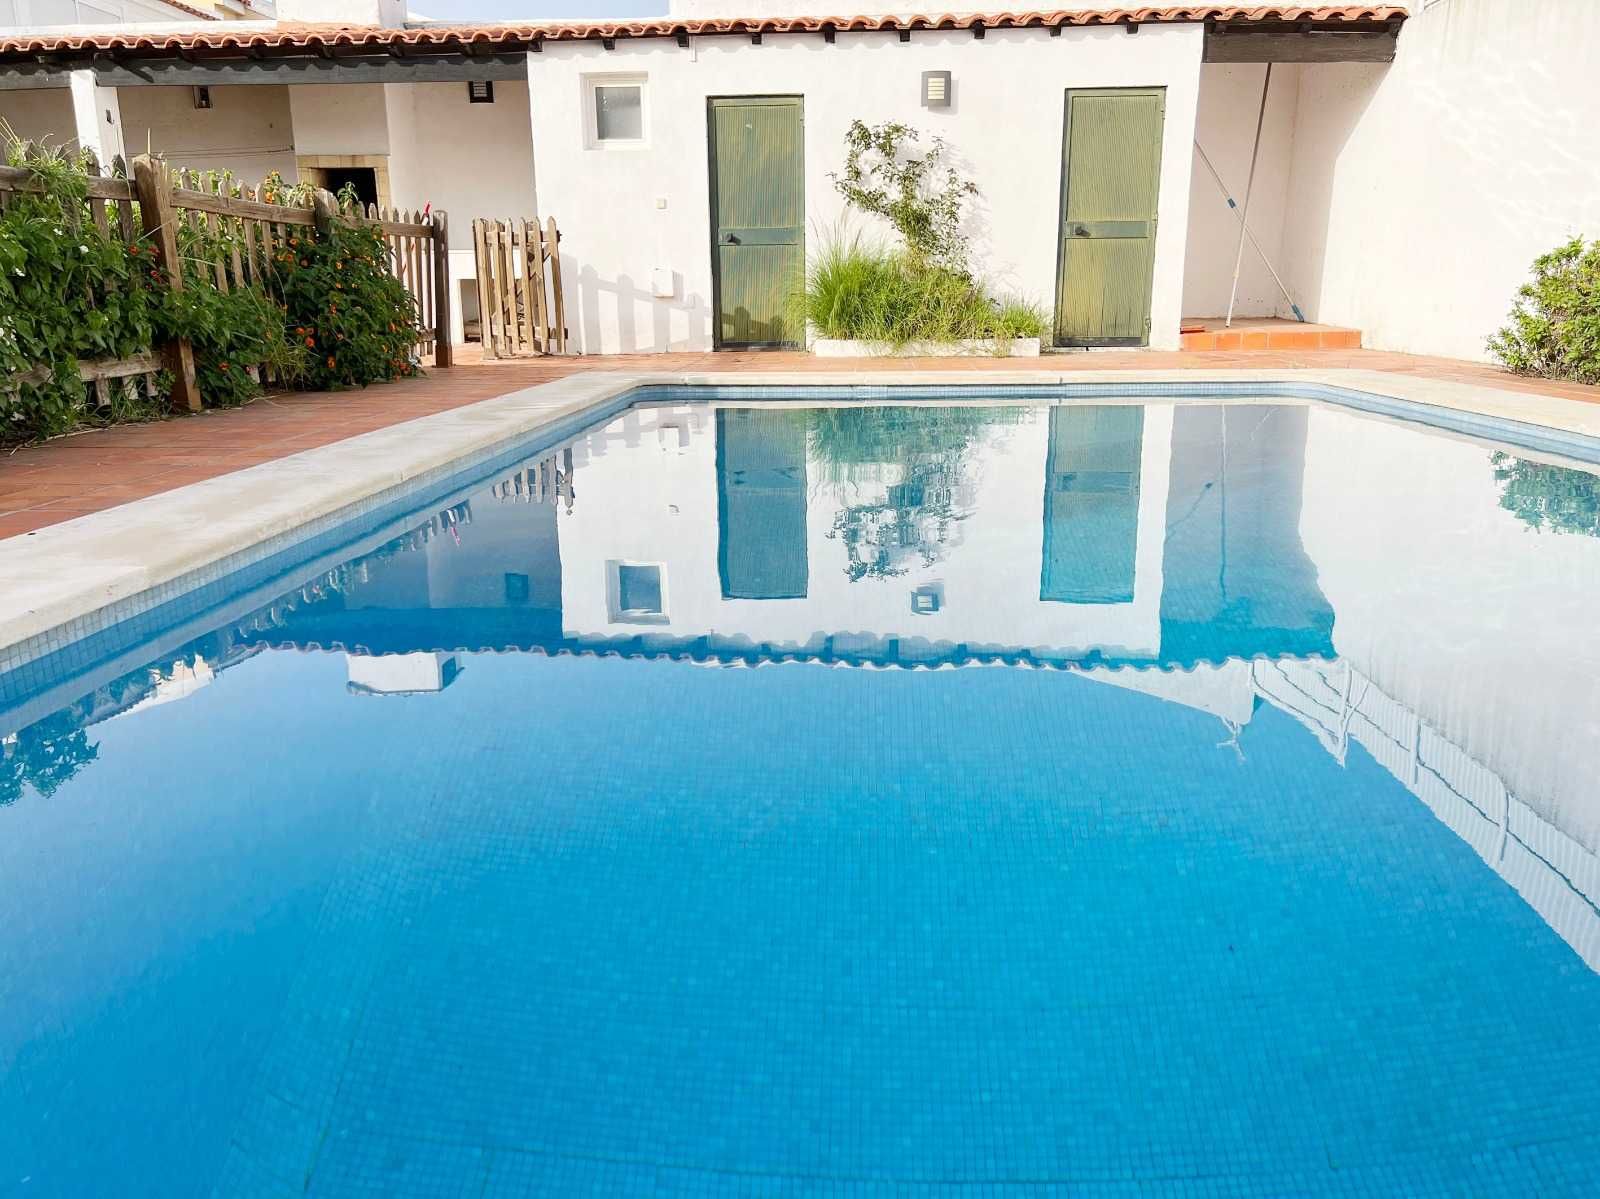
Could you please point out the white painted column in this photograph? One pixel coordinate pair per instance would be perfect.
(97, 115)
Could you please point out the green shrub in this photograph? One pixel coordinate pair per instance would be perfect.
(327, 311)
(232, 332)
(1554, 329)
(68, 292)
(355, 320)
(867, 293)
(910, 191)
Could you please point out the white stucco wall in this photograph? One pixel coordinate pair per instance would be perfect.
(1422, 191)
(1225, 126)
(1004, 129)
(247, 130)
(339, 118)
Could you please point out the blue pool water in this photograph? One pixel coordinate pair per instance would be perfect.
(1036, 798)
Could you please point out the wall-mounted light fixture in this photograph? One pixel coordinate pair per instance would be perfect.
(936, 89)
(202, 96)
(480, 91)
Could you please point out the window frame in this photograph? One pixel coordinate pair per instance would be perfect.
(591, 110)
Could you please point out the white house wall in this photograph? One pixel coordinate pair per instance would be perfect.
(471, 160)
(1422, 191)
(1225, 127)
(340, 118)
(1004, 129)
(247, 130)
(647, 493)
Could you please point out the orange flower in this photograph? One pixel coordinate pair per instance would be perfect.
(312, 342)
(294, 241)
(331, 361)
(224, 366)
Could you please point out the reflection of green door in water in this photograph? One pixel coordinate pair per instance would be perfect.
(1110, 179)
(1091, 503)
(761, 503)
(758, 215)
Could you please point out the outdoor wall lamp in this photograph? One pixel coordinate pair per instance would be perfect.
(936, 89)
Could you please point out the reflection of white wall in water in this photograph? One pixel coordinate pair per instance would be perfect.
(1556, 875)
(495, 554)
(399, 674)
(643, 498)
(1487, 631)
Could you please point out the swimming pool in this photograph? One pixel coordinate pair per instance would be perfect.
(1035, 796)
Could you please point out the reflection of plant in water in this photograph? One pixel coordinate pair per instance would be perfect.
(1557, 498)
(45, 755)
(926, 449)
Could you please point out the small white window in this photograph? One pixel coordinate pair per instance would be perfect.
(636, 592)
(614, 111)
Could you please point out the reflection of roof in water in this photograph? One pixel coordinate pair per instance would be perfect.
(388, 631)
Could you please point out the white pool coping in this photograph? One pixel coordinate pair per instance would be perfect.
(70, 570)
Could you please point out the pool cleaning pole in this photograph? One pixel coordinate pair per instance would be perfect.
(1254, 244)
(1249, 186)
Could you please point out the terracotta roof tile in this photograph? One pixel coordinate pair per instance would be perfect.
(286, 38)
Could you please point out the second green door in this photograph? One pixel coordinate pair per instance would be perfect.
(757, 217)
(1110, 176)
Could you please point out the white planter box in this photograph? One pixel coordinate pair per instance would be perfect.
(986, 347)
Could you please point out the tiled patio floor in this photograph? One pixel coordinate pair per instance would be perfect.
(71, 476)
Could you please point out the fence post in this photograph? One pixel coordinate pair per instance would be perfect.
(325, 209)
(150, 180)
(443, 356)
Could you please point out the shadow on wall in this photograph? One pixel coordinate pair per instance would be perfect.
(1343, 93)
(619, 303)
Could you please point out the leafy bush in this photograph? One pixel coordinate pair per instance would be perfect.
(1554, 329)
(355, 320)
(232, 332)
(908, 190)
(870, 294)
(327, 311)
(68, 292)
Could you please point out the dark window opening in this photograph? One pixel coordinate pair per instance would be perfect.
(363, 179)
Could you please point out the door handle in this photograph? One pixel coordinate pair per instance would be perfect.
(730, 239)
(1080, 231)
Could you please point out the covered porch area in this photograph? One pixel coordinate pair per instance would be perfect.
(447, 132)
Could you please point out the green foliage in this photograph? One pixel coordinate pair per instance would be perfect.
(44, 756)
(921, 199)
(327, 310)
(1557, 498)
(355, 320)
(866, 293)
(1554, 329)
(68, 292)
(232, 332)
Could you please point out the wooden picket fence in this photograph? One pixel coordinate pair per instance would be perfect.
(520, 303)
(246, 226)
(110, 200)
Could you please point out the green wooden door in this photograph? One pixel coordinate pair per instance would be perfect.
(758, 215)
(1110, 178)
